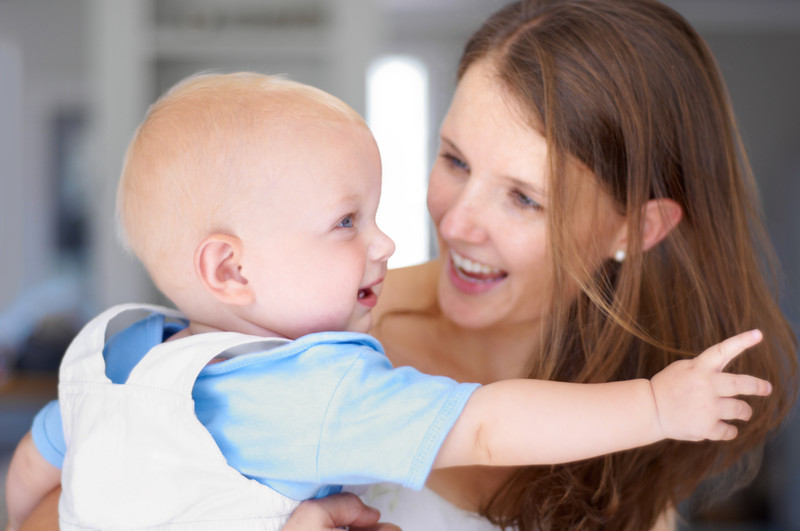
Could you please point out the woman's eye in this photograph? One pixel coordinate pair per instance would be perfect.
(346, 222)
(525, 201)
(455, 162)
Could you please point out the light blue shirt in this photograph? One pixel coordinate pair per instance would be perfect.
(304, 417)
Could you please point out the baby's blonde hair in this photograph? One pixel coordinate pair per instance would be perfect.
(192, 153)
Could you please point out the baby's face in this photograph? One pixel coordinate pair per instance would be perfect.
(314, 253)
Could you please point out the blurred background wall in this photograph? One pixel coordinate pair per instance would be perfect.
(77, 75)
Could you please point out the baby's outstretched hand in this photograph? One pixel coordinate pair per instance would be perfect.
(694, 397)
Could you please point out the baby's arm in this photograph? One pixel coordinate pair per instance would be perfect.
(30, 478)
(518, 422)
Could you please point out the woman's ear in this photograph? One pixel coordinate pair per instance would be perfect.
(217, 262)
(659, 217)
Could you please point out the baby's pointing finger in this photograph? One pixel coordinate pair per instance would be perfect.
(718, 356)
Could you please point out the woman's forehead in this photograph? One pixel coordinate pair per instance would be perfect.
(485, 125)
(490, 129)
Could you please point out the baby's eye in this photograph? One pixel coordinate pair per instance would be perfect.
(346, 222)
(525, 201)
(455, 162)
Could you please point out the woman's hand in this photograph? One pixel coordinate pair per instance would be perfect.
(336, 511)
(694, 397)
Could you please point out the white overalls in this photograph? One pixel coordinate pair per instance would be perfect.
(137, 457)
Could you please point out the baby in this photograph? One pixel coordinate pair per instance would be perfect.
(251, 201)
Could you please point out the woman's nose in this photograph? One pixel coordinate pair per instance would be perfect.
(463, 220)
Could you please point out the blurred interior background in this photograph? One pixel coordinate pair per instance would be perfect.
(77, 75)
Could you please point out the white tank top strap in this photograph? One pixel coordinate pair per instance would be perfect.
(175, 365)
(81, 362)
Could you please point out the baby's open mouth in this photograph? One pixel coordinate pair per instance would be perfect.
(367, 297)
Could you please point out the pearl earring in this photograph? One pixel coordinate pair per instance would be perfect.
(619, 256)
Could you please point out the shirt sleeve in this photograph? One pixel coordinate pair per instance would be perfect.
(330, 409)
(48, 434)
(386, 424)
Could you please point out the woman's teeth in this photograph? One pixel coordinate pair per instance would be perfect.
(474, 268)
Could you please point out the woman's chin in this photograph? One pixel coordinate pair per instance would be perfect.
(465, 311)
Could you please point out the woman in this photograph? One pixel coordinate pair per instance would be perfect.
(596, 221)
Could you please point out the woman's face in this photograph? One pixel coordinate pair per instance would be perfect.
(488, 198)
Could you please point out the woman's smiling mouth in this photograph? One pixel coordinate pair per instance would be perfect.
(473, 271)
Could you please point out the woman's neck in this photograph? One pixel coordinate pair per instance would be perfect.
(486, 354)
(414, 332)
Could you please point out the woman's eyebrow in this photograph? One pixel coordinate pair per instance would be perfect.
(526, 185)
(450, 143)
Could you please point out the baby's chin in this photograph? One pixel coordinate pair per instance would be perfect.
(357, 324)
(361, 326)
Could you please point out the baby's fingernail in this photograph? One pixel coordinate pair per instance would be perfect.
(757, 335)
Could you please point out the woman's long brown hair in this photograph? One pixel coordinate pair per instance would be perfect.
(628, 89)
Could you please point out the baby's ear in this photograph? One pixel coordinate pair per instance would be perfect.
(217, 262)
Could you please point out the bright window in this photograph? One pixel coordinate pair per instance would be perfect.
(397, 113)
